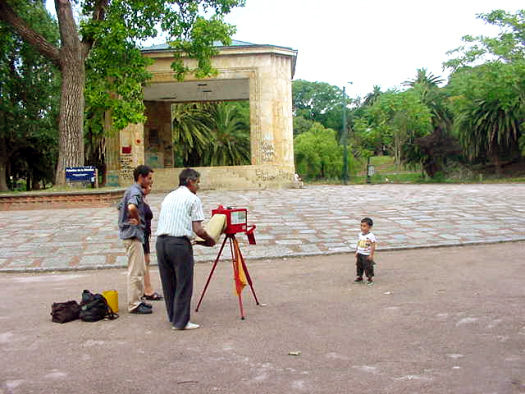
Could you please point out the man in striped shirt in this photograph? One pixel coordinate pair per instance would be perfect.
(180, 217)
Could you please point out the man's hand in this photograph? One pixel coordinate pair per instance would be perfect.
(201, 232)
(206, 242)
(209, 242)
(133, 212)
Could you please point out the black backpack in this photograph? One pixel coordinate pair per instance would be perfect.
(94, 307)
(62, 312)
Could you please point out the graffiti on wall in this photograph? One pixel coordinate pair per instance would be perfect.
(265, 175)
(126, 168)
(267, 152)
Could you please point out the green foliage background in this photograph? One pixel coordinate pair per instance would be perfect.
(480, 108)
(29, 91)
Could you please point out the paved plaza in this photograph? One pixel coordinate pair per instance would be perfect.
(292, 222)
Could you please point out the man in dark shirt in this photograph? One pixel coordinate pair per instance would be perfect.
(132, 224)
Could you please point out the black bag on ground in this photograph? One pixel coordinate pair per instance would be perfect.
(94, 307)
(62, 312)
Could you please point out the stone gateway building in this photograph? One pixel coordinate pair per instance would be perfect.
(261, 74)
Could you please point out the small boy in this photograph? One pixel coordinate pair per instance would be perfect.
(364, 252)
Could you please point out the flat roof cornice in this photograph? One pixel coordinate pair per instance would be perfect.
(238, 48)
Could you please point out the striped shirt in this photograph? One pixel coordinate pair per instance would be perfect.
(178, 210)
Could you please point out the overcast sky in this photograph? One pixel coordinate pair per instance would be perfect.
(368, 42)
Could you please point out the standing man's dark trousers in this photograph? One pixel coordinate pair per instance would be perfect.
(175, 259)
(363, 264)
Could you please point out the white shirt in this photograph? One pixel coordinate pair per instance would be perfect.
(364, 243)
(178, 210)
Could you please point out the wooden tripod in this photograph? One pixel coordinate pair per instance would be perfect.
(237, 259)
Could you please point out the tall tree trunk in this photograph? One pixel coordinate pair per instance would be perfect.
(497, 164)
(3, 173)
(70, 58)
(71, 142)
(70, 121)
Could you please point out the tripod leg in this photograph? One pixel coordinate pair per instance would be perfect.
(240, 306)
(211, 273)
(234, 246)
(245, 268)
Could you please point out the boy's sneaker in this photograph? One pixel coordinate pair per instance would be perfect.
(370, 281)
(358, 279)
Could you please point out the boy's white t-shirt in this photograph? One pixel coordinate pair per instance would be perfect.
(364, 243)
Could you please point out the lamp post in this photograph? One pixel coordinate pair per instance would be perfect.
(345, 139)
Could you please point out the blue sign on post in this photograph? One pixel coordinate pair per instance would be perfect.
(81, 174)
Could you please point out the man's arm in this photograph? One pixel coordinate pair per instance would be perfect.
(201, 232)
(133, 214)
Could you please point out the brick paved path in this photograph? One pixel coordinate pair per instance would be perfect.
(314, 220)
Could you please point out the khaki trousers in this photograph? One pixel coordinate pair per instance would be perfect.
(136, 269)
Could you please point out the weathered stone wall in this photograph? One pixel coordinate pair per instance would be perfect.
(53, 200)
(230, 178)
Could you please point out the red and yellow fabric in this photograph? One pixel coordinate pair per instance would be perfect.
(239, 276)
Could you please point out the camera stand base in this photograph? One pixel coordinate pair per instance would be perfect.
(238, 264)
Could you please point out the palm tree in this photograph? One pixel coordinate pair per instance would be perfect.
(230, 137)
(191, 131)
(488, 129)
(427, 85)
(370, 98)
(424, 78)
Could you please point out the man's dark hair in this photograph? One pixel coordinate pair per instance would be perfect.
(141, 170)
(186, 175)
(368, 221)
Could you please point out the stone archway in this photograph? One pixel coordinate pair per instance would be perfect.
(261, 74)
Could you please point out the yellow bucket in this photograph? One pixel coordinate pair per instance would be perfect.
(111, 297)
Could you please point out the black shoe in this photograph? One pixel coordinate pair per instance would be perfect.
(358, 279)
(146, 305)
(152, 297)
(142, 310)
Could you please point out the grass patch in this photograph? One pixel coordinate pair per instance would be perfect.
(386, 171)
(387, 165)
(408, 177)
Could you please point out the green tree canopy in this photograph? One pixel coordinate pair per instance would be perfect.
(507, 47)
(320, 102)
(318, 155)
(29, 86)
(488, 90)
(489, 109)
(104, 47)
(396, 119)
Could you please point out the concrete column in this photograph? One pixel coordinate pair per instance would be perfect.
(271, 112)
(131, 152)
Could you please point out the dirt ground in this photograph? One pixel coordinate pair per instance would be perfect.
(441, 320)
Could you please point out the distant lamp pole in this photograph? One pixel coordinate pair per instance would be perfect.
(370, 170)
(345, 140)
